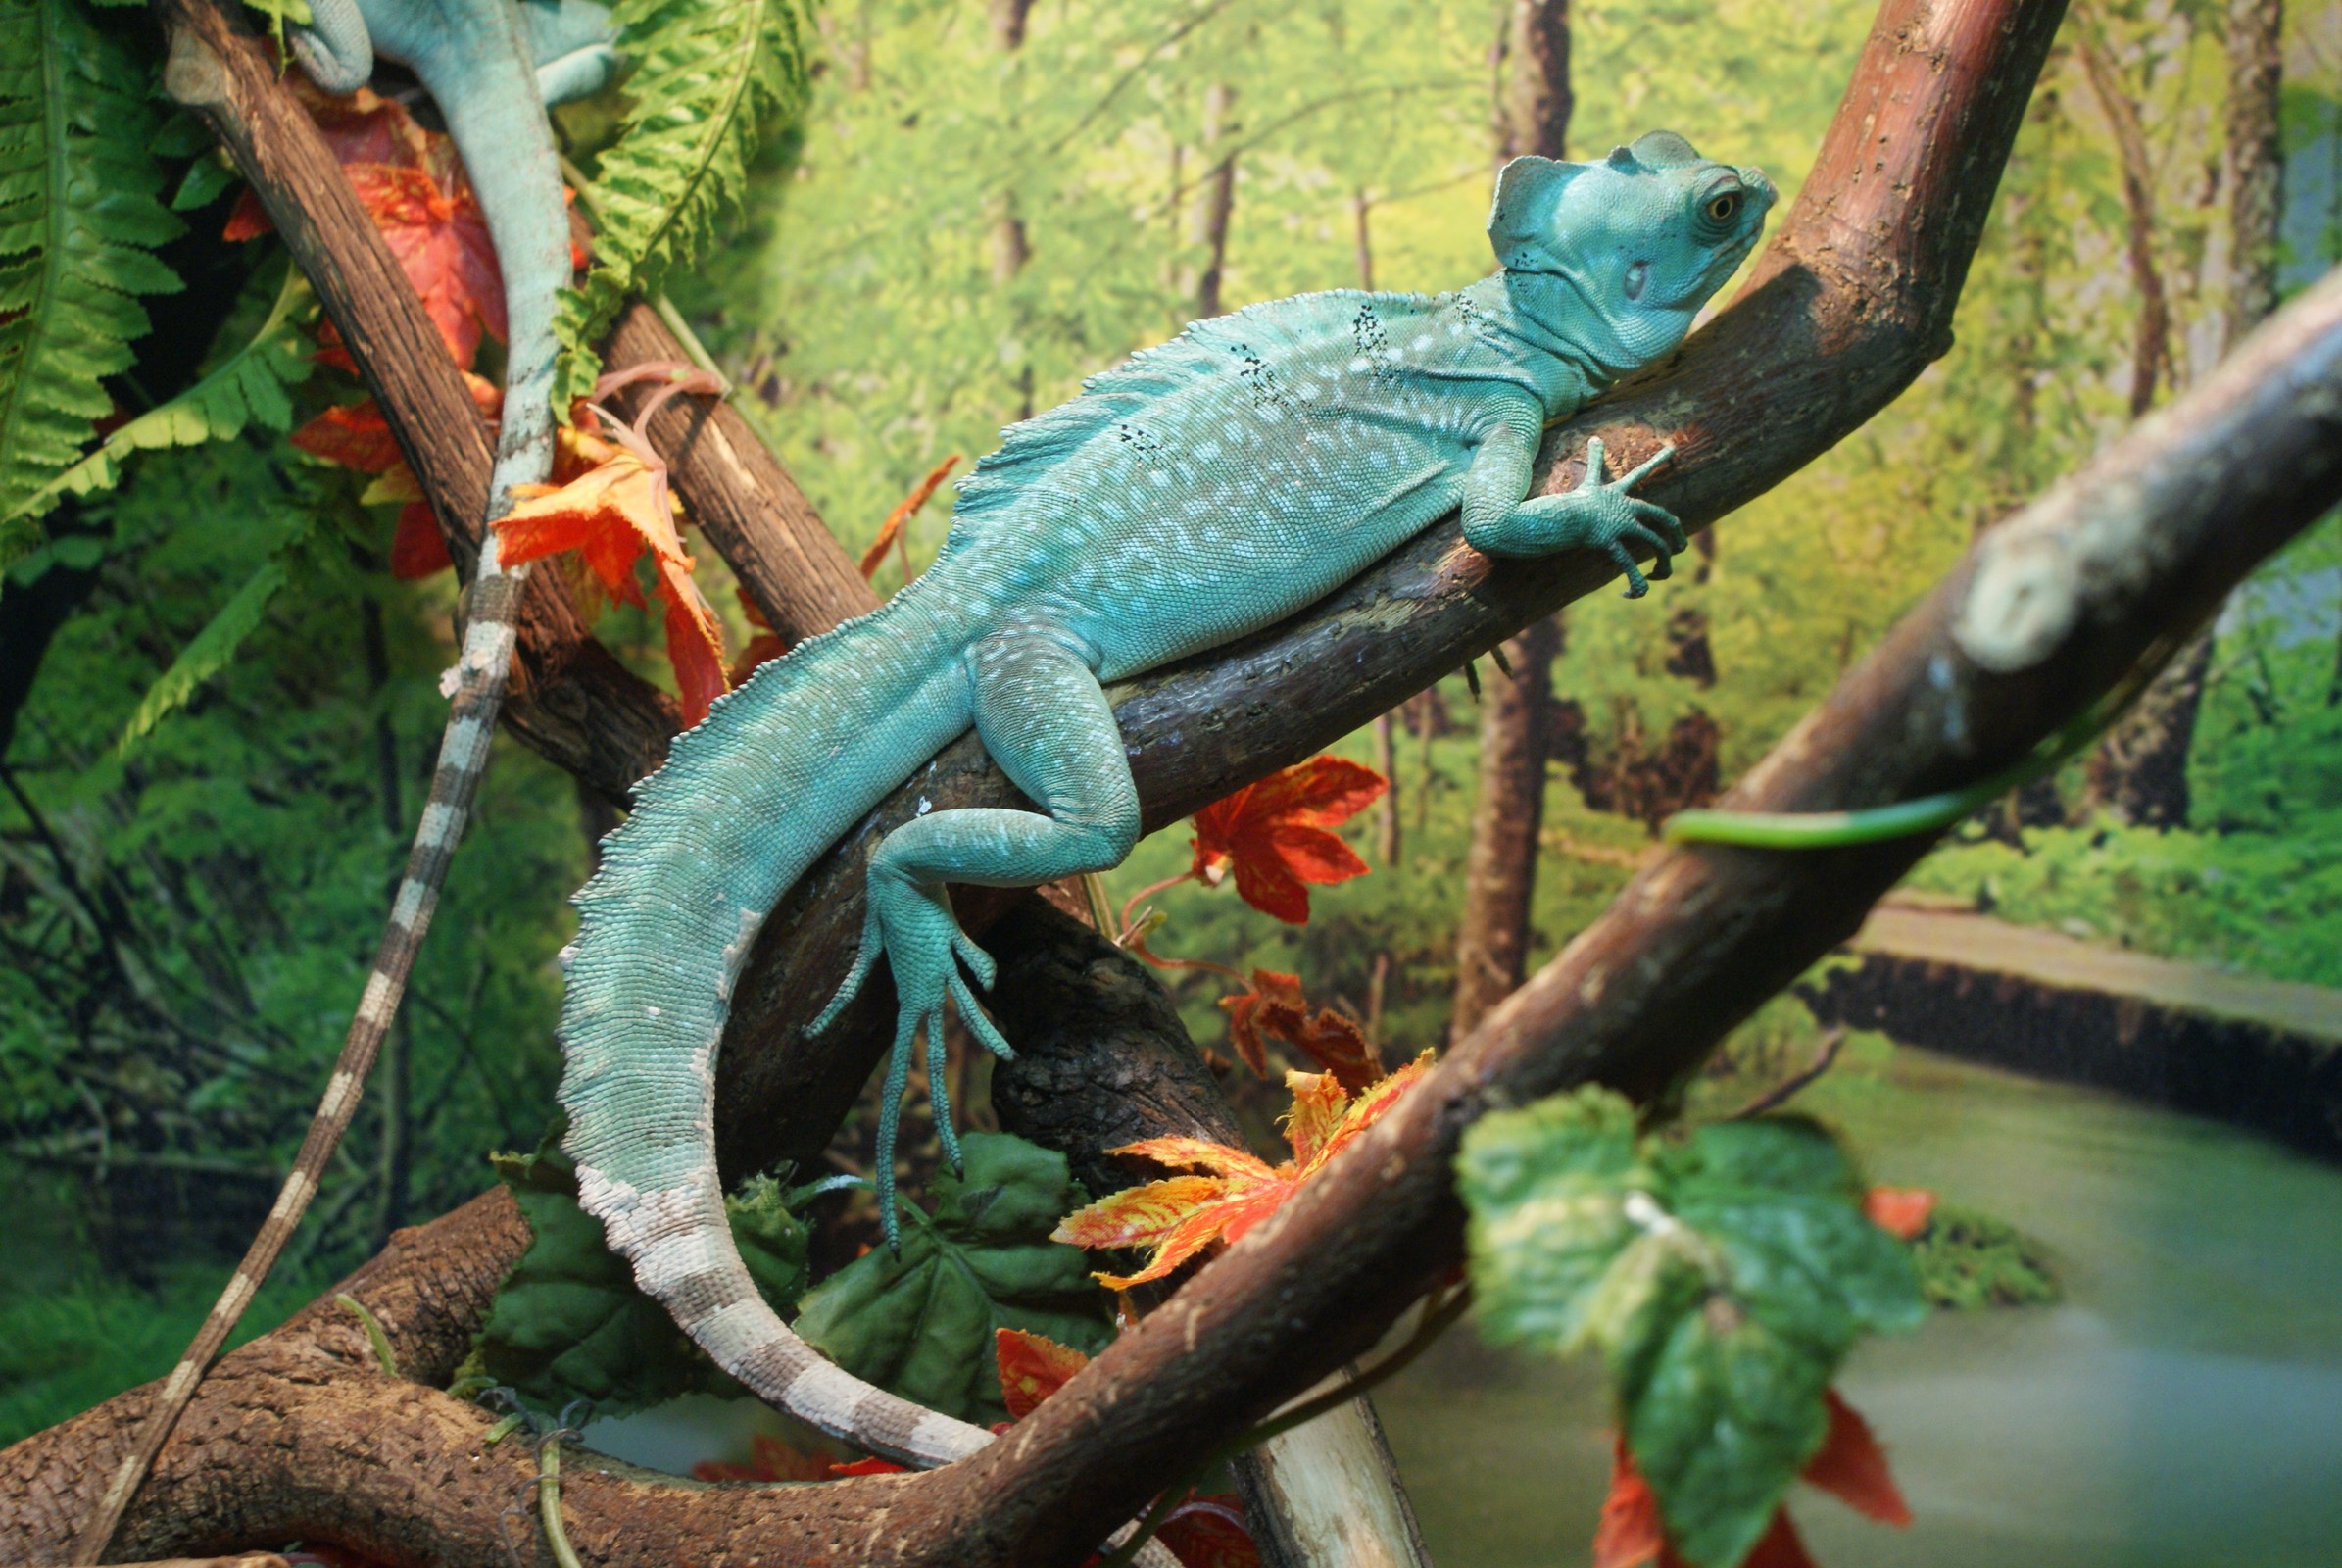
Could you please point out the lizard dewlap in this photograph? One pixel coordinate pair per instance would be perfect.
(1193, 494)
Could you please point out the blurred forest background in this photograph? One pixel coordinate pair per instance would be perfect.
(985, 204)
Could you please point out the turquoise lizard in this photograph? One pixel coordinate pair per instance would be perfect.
(485, 64)
(1198, 492)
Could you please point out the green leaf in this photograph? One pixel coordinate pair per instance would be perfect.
(246, 388)
(708, 76)
(1722, 1275)
(206, 178)
(81, 217)
(207, 653)
(921, 1324)
(568, 1322)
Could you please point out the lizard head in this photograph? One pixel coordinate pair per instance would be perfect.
(1642, 238)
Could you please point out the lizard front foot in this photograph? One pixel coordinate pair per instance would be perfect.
(912, 925)
(1599, 514)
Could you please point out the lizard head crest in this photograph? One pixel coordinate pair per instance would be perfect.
(1645, 235)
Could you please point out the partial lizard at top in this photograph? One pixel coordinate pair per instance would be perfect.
(490, 66)
(1198, 492)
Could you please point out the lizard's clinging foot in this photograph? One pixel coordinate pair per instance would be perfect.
(911, 923)
(1602, 515)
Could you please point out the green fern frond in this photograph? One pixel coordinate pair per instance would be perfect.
(207, 653)
(708, 76)
(210, 650)
(80, 220)
(247, 389)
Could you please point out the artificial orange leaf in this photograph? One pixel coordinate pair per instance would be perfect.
(1272, 834)
(1033, 1366)
(890, 533)
(1901, 1211)
(1180, 1216)
(1275, 1006)
(613, 514)
(769, 1460)
(1779, 1546)
(417, 548)
(432, 222)
(412, 183)
(1208, 1530)
(1849, 1465)
(1629, 1535)
(872, 1467)
(1852, 1468)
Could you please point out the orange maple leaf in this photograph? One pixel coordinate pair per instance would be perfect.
(1272, 834)
(613, 514)
(1901, 1211)
(1849, 1465)
(1275, 1006)
(1180, 1216)
(890, 533)
(1033, 1366)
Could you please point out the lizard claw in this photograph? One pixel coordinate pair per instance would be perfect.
(1611, 521)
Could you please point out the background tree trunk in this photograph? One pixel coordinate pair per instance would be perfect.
(2139, 774)
(1216, 199)
(1491, 938)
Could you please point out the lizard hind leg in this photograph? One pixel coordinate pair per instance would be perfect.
(1040, 715)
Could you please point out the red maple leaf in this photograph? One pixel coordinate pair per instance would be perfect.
(1272, 834)
(1208, 1530)
(356, 436)
(769, 1460)
(1180, 1216)
(1275, 1006)
(763, 643)
(1849, 1465)
(412, 183)
(1901, 1211)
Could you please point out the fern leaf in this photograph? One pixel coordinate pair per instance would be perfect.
(207, 653)
(708, 75)
(80, 221)
(246, 388)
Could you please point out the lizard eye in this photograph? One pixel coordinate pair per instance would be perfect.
(1723, 205)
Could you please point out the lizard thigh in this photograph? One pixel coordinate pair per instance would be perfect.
(1042, 718)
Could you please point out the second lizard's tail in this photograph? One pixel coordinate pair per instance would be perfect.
(781, 769)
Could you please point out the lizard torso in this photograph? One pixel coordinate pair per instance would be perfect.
(1194, 493)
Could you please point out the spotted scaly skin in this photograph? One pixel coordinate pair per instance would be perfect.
(1198, 492)
(490, 66)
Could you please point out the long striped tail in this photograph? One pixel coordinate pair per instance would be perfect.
(529, 224)
(779, 771)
